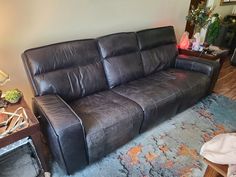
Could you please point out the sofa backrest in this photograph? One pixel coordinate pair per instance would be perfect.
(121, 58)
(158, 48)
(71, 69)
(78, 68)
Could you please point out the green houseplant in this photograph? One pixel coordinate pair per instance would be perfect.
(200, 16)
(13, 96)
(213, 29)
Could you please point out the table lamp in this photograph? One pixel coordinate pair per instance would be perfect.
(3, 79)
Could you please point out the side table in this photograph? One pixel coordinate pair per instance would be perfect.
(33, 131)
(220, 56)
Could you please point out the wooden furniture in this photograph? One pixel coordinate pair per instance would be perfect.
(215, 170)
(221, 56)
(32, 131)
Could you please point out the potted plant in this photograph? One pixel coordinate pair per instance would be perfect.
(213, 29)
(13, 96)
(200, 16)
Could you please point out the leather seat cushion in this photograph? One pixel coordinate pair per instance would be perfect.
(161, 94)
(192, 85)
(110, 120)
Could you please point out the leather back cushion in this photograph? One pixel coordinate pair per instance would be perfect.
(122, 60)
(71, 69)
(158, 48)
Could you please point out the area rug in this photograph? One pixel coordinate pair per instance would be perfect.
(171, 148)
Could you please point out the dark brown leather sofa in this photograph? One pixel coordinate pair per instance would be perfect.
(95, 95)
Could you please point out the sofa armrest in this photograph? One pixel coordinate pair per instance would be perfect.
(209, 67)
(64, 131)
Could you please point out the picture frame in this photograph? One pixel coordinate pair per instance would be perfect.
(227, 2)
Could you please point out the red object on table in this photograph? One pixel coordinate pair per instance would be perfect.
(184, 41)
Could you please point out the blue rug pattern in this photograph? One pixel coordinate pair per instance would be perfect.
(171, 149)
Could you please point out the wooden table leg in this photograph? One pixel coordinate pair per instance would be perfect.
(41, 150)
(210, 172)
(222, 60)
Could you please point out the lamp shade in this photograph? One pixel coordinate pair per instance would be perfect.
(3, 77)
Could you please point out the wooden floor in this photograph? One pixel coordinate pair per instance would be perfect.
(226, 84)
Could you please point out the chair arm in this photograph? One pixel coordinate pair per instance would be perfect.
(64, 131)
(209, 67)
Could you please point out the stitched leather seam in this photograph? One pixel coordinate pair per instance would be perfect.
(192, 63)
(29, 73)
(58, 133)
(123, 54)
(81, 122)
(67, 68)
(157, 46)
(62, 154)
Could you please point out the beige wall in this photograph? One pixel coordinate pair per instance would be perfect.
(222, 10)
(30, 23)
(234, 10)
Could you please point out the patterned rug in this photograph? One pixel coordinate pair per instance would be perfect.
(171, 148)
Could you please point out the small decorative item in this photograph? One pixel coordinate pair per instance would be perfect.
(3, 103)
(13, 96)
(196, 44)
(184, 41)
(16, 120)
